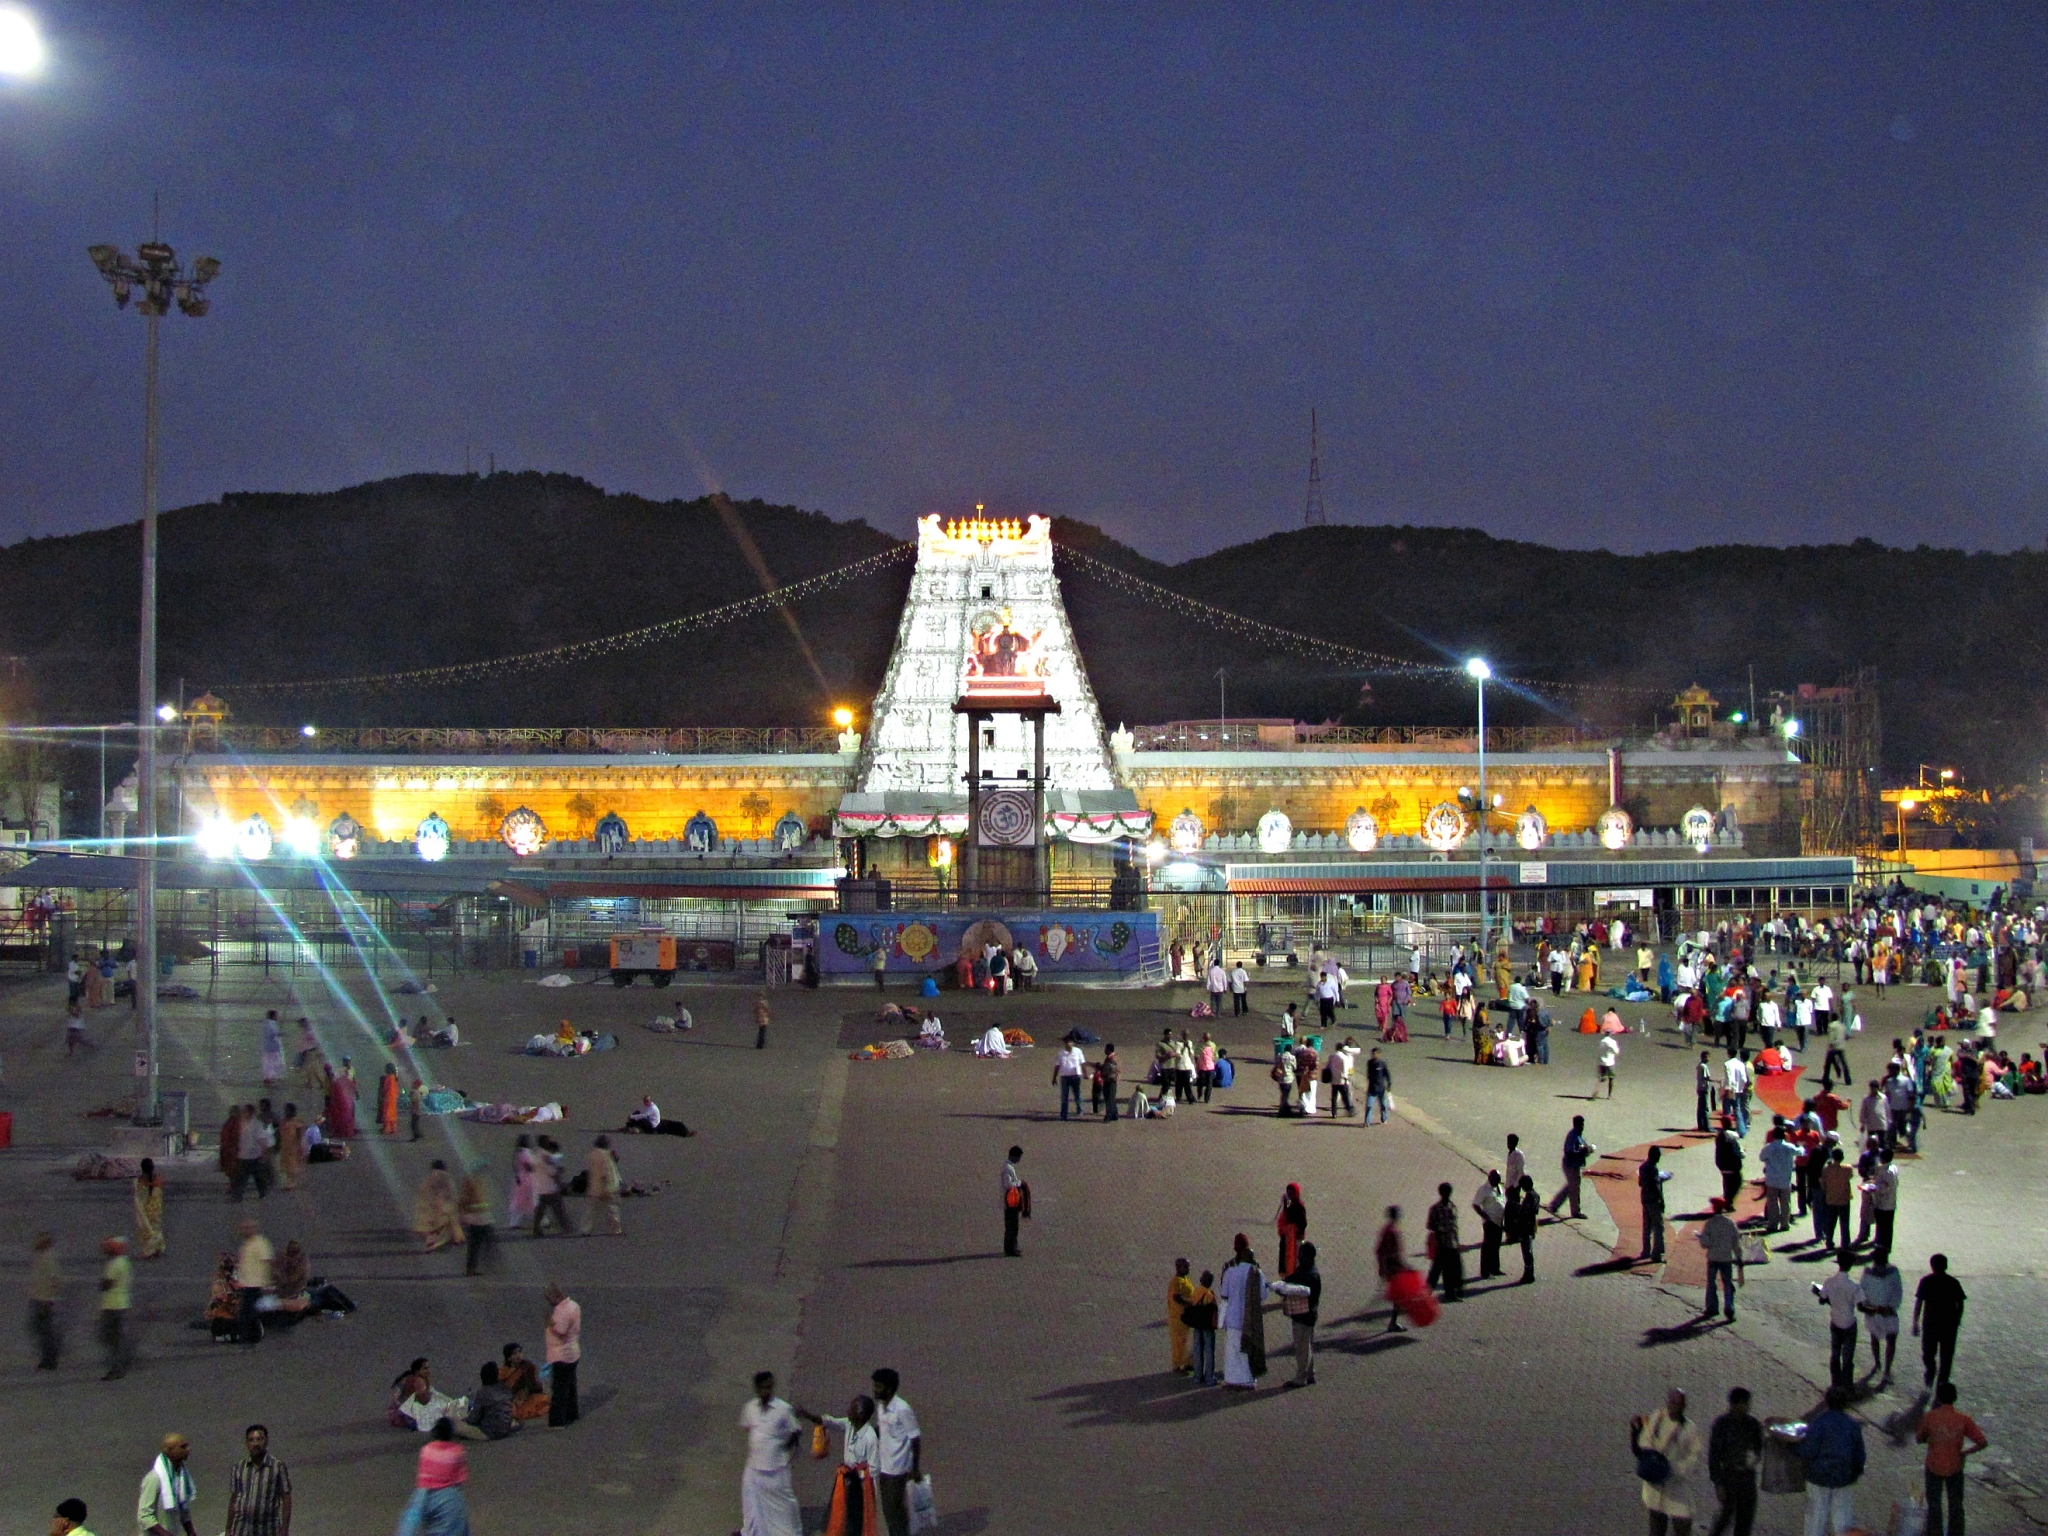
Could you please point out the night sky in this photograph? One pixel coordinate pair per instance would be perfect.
(1593, 276)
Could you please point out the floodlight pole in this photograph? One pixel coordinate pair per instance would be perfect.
(148, 1106)
(153, 269)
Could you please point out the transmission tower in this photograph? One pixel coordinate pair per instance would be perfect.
(1312, 516)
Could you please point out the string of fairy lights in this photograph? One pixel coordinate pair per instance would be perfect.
(1316, 647)
(603, 645)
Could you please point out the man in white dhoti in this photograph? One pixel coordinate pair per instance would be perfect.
(768, 1505)
(1243, 1291)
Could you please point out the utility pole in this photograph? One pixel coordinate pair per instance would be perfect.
(1222, 712)
(154, 269)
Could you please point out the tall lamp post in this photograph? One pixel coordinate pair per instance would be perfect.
(1479, 672)
(154, 277)
(1904, 806)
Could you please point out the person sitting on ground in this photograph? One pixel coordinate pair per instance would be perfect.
(224, 1302)
(490, 1410)
(565, 1035)
(519, 1376)
(426, 1405)
(291, 1275)
(403, 1385)
(648, 1120)
(992, 1042)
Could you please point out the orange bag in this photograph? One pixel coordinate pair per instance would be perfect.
(821, 1443)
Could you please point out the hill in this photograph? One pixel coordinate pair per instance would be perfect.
(432, 569)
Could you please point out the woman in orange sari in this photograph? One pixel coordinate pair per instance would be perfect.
(387, 1101)
(1292, 1225)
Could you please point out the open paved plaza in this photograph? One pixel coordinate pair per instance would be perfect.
(834, 1216)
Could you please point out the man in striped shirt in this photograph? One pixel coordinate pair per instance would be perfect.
(260, 1495)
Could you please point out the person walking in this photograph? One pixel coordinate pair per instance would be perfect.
(1883, 1189)
(1205, 1068)
(1240, 987)
(260, 1490)
(1243, 1291)
(1651, 1178)
(1840, 1294)
(1728, 1159)
(117, 1279)
(1837, 1193)
(1016, 1202)
(1737, 1080)
(148, 1195)
(473, 1207)
(879, 963)
(1735, 1451)
(1290, 1224)
(760, 1021)
(1301, 1294)
(1219, 983)
(435, 1215)
(1446, 1261)
(603, 1189)
(899, 1453)
(1704, 1083)
(565, 1350)
(768, 1503)
(1881, 1292)
(45, 1287)
(1379, 1085)
(550, 1173)
(387, 1100)
(1390, 1257)
(1577, 1153)
(1610, 1059)
(1722, 1240)
(165, 1505)
(1338, 1070)
(1780, 1160)
(438, 1506)
(1067, 1071)
(1952, 1438)
(255, 1263)
(1833, 1451)
(1668, 1453)
(1938, 1317)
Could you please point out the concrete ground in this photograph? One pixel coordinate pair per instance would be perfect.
(837, 1216)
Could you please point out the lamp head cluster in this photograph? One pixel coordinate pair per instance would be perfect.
(1478, 670)
(155, 273)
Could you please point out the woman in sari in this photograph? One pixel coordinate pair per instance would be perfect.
(387, 1101)
(1383, 1005)
(519, 1376)
(1941, 1079)
(273, 1052)
(231, 1140)
(1291, 1222)
(522, 1202)
(434, 1215)
(341, 1103)
(291, 1148)
(149, 1212)
(1589, 969)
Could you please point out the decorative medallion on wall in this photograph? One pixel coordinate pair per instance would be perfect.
(1361, 831)
(1444, 827)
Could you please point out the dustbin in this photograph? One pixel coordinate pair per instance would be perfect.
(175, 1104)
(1784, 1471)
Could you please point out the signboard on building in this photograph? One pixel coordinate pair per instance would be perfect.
(1537, 873)
(1637, 898)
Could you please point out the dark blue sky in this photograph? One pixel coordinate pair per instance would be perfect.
(1640, 278)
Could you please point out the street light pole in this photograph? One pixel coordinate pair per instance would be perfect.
(1904, 806)
(154, 269)
(1479, 672)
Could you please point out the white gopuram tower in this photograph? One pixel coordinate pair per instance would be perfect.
(985, 612)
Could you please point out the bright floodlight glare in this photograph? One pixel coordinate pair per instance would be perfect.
(1908, 805)
(167, 713)
(309, 730)
(1736, 718)
(1790, 728)
(1477, 668)
(217, 837)
(842, 718)
(21, 46)
(302, 836)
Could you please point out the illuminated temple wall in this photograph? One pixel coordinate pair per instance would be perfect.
(744, 796)
(1317, 791)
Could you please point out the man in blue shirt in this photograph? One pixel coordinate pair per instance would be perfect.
(1577, 1153)
(1781, 1162)
(1833, 1452)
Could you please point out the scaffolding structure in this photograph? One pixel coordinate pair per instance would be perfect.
(1840, 809)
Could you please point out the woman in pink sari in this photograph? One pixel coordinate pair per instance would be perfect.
(341, 1103)
(524, 1197)
(1382, 1011)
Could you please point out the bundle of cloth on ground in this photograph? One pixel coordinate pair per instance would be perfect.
(451, 1101)
(663, 1024)
(568, 1040)
(1631, 991)
(890, 1050)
